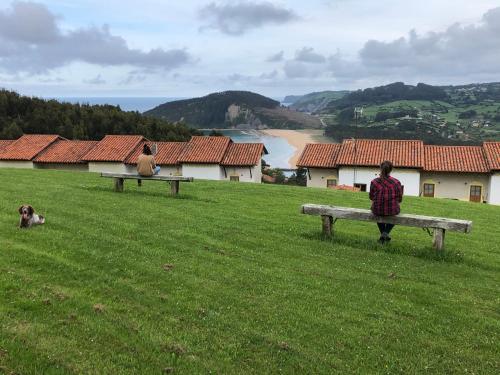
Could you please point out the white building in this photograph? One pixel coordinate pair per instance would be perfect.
(469, 173)
(65, 155)
(21, 152)
(110, 154)
(242, 162)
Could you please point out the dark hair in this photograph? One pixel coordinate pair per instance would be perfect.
(385, 169)
(146, 150)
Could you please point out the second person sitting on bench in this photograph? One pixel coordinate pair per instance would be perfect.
(146, 165)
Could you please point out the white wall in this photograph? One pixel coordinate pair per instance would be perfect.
(203, 171)
(455, 185)
(165, 170)
(320, 175)
(244, 174)
(494, 192)
(62, 166)
(16, 164)
(114, 167)
(409, 178)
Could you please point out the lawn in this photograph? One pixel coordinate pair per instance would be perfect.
(230, 278)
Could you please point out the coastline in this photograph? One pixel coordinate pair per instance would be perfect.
(297, 139)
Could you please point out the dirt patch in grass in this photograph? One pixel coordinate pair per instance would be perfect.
(99, 308)
(167, 267)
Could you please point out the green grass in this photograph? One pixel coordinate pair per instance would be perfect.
(254, 287)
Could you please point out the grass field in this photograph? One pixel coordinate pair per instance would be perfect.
(230, 278)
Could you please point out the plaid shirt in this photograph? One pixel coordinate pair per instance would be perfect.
(386, 194)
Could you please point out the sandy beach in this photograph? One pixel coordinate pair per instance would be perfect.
(297, 139)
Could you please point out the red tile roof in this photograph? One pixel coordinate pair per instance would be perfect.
(65, 152)
(167, 153)
(205, 150)
(372, 152)
(248, 154)
(4, 143)
(27, 147)
(319, 155)
(492, 151)
(114, 148)
(455, 159)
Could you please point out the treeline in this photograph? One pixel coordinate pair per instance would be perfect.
(389, 93)
(25, 115)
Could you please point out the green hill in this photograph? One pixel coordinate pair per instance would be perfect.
(227, 279)
(231, 109)
(317, 101)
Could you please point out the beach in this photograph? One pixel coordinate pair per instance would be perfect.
(298, 140)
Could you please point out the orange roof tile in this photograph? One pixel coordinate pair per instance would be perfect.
(65, 152)
(205, 150)
(244, 154)
(455, 159)
(27, 147)
(4, 143)
(319, 155)
(114, 148)
(167, 153)
(372, 152)
(492, 151)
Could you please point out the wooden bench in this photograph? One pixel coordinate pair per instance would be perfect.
(119, 179)
(330, 214)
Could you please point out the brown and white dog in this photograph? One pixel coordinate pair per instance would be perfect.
(28, 217)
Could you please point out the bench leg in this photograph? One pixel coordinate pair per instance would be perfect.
(174, 187)
(327, 225)
(438, 241)
(118, 185)
(139, 183)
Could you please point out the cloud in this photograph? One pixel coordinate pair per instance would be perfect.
(277, 57)
(32, 42)
(459, 53)
(308, 55)
(97, 80)
(270, 75)
(236, 18)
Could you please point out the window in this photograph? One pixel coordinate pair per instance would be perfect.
(476, 193)
(429, 190)
(234, 178)
(331, 182)
(362, 187)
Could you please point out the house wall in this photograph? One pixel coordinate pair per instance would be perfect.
(494, 192)
(203, 171)
(16, 164)
(319, 176)
(114, 167)
(409, 178)
(165, 170)
(62, 166)
(244, 174)
(455, 185)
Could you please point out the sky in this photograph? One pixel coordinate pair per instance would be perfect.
(169, 48)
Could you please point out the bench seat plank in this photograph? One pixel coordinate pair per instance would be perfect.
(130, 176)
(410, 220)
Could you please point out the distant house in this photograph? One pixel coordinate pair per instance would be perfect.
(242, 162)
(110, 154)
(492, 152)
(320, 159)
(456, 172)
(64, 154)
(21, 152)
(359, 160)
(167, 157)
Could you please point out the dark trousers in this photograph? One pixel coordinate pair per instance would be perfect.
(385, 228)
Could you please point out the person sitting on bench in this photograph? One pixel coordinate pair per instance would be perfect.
(386, 193)
(146, 163)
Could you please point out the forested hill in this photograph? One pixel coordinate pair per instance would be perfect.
(232, 109)
(388, 93)
(26, 115)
